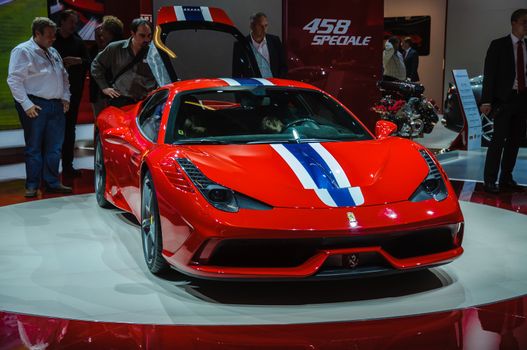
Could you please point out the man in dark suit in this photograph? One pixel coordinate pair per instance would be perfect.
(75, 57)
(268, 50)
(505, 93)
(411, 59)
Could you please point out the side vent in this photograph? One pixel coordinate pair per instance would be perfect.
(176, 176)
(194, 173)
(434, 171)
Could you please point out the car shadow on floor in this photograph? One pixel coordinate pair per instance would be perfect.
(315, 292)
(303, 291)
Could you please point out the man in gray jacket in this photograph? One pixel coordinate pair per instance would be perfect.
(121, 70)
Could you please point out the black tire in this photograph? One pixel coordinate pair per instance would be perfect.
(151, 228)
(100, 175)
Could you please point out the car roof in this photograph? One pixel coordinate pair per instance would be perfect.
(196, 84)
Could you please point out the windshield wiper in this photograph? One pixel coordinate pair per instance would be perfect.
(201, 141)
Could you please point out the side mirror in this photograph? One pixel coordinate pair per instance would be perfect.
(384, 128)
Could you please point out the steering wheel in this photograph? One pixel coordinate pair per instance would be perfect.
(300, 121)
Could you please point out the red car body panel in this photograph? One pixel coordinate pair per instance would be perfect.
(388, 170)
(368, 165)
(189, 223)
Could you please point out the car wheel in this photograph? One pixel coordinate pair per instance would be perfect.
(100, 175)
(151, 228)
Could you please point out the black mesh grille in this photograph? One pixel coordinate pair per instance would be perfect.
(194, 173)
(294, 252)
(263, 252)
(434, 171)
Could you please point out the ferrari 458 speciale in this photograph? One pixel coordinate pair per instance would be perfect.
(252, 178)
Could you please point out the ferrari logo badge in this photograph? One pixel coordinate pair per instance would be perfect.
(351, 218)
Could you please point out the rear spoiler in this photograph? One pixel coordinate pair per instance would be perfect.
(170, 14)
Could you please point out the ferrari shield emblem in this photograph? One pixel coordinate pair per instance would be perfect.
(351, 218)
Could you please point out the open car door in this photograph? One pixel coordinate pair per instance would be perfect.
(205, 39)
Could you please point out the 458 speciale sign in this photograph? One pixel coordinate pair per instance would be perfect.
(329, 31)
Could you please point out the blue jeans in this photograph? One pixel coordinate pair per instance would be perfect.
(44, 136)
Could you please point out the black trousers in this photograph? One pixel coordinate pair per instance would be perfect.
(68, 147)
(510, 123)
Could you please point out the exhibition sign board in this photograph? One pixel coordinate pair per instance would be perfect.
(337, 46)
(469, 108)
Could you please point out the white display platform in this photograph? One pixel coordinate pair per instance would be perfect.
(470, 165)
(65, 257)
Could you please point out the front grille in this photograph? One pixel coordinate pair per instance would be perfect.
(295, 252)
(263, 252)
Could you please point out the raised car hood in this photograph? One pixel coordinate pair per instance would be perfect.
(331, 174)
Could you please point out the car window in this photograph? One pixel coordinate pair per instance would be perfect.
(261, 115)
(149, 119)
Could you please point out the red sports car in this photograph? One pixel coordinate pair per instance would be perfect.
(251, 178)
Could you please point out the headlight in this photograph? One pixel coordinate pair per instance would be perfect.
(433, 185)
(219, 196)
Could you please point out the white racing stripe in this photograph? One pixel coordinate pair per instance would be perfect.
(298, 169)
(206, 13)
(336, 169)
(264, 81)
(357, 196)
(231, 82)
(338, 172)
(325, 197)
(180, 15)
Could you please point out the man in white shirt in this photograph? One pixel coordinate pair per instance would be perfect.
(267, 48)
(40, 87)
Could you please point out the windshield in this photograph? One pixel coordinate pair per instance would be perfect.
(262, 115)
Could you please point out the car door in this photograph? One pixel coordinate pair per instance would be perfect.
(144, 134)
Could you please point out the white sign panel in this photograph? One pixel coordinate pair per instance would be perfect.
(470, 108)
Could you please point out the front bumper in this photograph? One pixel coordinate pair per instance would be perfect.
(306, 243)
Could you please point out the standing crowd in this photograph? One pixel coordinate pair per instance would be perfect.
(400, 61)
(47, 75)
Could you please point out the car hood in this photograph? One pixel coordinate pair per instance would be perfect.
(315, 175)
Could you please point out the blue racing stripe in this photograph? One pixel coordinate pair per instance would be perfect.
(314, 165)
(193, 13)
(342, 197)
(248, 81)
(320, 172)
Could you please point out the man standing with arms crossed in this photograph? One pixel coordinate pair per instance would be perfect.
(39, 84)
(505, 93)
